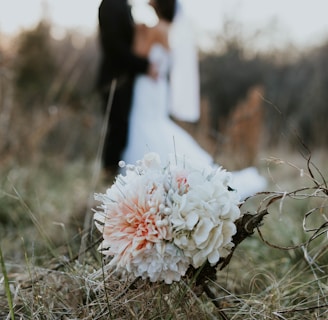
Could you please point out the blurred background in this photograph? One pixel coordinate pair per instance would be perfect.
(263, 83)
(263, 69)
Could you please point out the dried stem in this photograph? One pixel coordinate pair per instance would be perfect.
(245, 228)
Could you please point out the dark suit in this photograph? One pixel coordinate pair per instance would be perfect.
(116, 29)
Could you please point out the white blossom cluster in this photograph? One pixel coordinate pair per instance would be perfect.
(158, 220)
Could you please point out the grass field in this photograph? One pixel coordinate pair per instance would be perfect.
(280, 273)
(49, 264)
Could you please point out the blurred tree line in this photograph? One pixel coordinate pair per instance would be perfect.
(50, 104)
(54, 105)
(295, 99)
(50, 71)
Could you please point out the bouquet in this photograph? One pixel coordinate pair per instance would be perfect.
(158, 220)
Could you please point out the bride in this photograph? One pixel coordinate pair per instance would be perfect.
(151, 128)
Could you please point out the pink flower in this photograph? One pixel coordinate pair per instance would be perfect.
(131, 220)
(180, 181)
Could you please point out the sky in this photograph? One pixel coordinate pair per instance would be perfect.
(303, 22)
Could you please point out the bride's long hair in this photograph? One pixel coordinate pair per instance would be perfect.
(165, 9)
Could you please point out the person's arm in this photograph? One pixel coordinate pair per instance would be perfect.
(116, 31)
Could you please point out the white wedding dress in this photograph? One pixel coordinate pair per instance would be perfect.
(150, 127)
(152, 130)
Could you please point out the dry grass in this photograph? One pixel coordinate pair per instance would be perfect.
(278, 273)
(46, 193)
(43, 206)
(42, 234)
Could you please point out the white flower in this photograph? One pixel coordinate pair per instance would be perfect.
(203, 218)
(151, 160)
(161, 262)
(157, 221)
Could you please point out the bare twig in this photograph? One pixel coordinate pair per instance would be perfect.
(303, 309)
(245, 228)
(88, 218)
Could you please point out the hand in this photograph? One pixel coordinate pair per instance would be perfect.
(153, 71)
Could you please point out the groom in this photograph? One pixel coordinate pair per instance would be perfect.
(118, 62)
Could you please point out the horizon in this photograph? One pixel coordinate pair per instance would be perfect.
(280, 23)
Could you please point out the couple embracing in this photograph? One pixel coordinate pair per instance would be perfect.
(140, 60)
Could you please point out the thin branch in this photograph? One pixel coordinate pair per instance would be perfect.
(303, 309)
